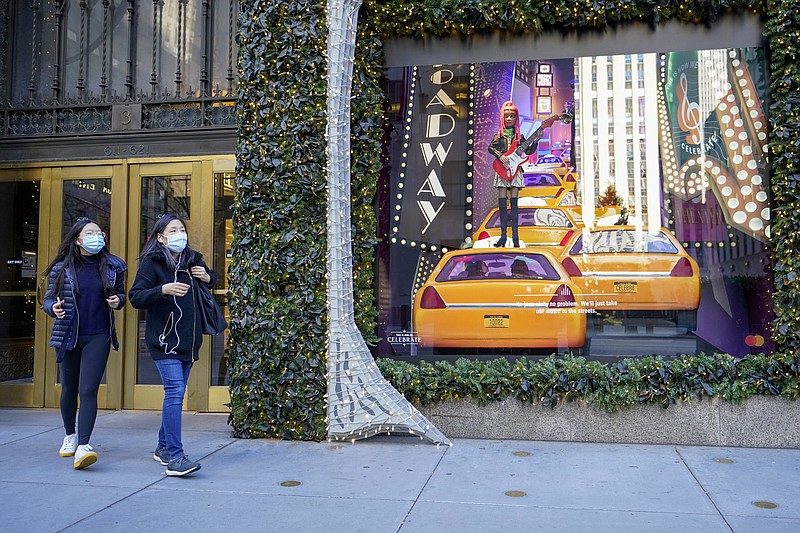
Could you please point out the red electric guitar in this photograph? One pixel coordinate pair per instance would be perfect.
(516, 153)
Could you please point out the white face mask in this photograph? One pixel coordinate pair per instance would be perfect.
(177, 242)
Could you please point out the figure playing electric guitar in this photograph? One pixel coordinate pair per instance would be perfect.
(511, 150)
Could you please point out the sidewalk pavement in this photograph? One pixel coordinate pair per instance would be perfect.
(384, 484)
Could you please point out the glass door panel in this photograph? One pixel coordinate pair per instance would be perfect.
(37, 206)
(19, 218)
(89, 198)
(159, 195)
(86, 191)
(223, 236)
(187, 189)
(86, 197)
(221, 179)
(154, 189)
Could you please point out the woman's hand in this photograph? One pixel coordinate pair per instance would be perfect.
(201, 274)
(504, 160)
(58, 308)
(113, 301)
(175, 289)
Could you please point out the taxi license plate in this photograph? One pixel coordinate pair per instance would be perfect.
(625, 286)
(495, 321)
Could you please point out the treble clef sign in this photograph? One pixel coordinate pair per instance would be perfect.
(689, 115)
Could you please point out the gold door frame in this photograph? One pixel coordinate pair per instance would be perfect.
(200, 396)
(120, 390)
(109, 395)
(218, 396)
(33, 394)
(44, 391)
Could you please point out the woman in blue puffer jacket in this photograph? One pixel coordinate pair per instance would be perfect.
(85, 284)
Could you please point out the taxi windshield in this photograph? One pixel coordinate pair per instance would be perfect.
(623, 241)
(536, 217)
(541, 179)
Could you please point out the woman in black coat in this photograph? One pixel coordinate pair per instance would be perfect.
(166, 287)
(85, 284)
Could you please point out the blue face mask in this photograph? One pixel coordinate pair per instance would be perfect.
(177, 242)
(93, 243)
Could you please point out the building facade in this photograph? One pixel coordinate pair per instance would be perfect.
(618, 96)
(118, 111)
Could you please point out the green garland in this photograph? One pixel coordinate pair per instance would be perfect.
(608, 386)
(277, 272)
(782, 28)
(277, 275)
(278, 293)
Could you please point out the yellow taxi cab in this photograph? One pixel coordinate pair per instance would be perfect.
(546, 228)
(547, 183)
(487, 297)
(630, 268)
(552, 162)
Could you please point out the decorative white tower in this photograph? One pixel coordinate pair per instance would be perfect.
(361, 403)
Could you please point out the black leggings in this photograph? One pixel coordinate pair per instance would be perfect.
(81, 372)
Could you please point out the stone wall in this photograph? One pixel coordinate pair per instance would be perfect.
(760, 421)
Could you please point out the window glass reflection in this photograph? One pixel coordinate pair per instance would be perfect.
(19, 214)
(90, 198)
(680, 154)
(223, 236)
(160, 194)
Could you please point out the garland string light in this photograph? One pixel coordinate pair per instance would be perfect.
(277, 300)
(361, 403)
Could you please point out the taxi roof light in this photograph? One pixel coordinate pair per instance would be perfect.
(431, 299)
(483, 235)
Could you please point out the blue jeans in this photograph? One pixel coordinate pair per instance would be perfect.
(174, 376)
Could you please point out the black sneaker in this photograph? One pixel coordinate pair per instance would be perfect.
(161, 456)
(181, 466)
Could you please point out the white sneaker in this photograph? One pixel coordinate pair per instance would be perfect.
(84, 456)
(68, 448)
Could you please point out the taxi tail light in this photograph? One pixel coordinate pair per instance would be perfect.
(571, 268)
(682, 269)
(563, 297)
(565, 240)
(431, 299)
(484, 235)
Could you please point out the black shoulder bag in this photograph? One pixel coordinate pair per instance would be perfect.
(211, 318)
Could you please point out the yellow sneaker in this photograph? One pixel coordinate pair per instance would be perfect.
(68, 448)
(84, 456)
